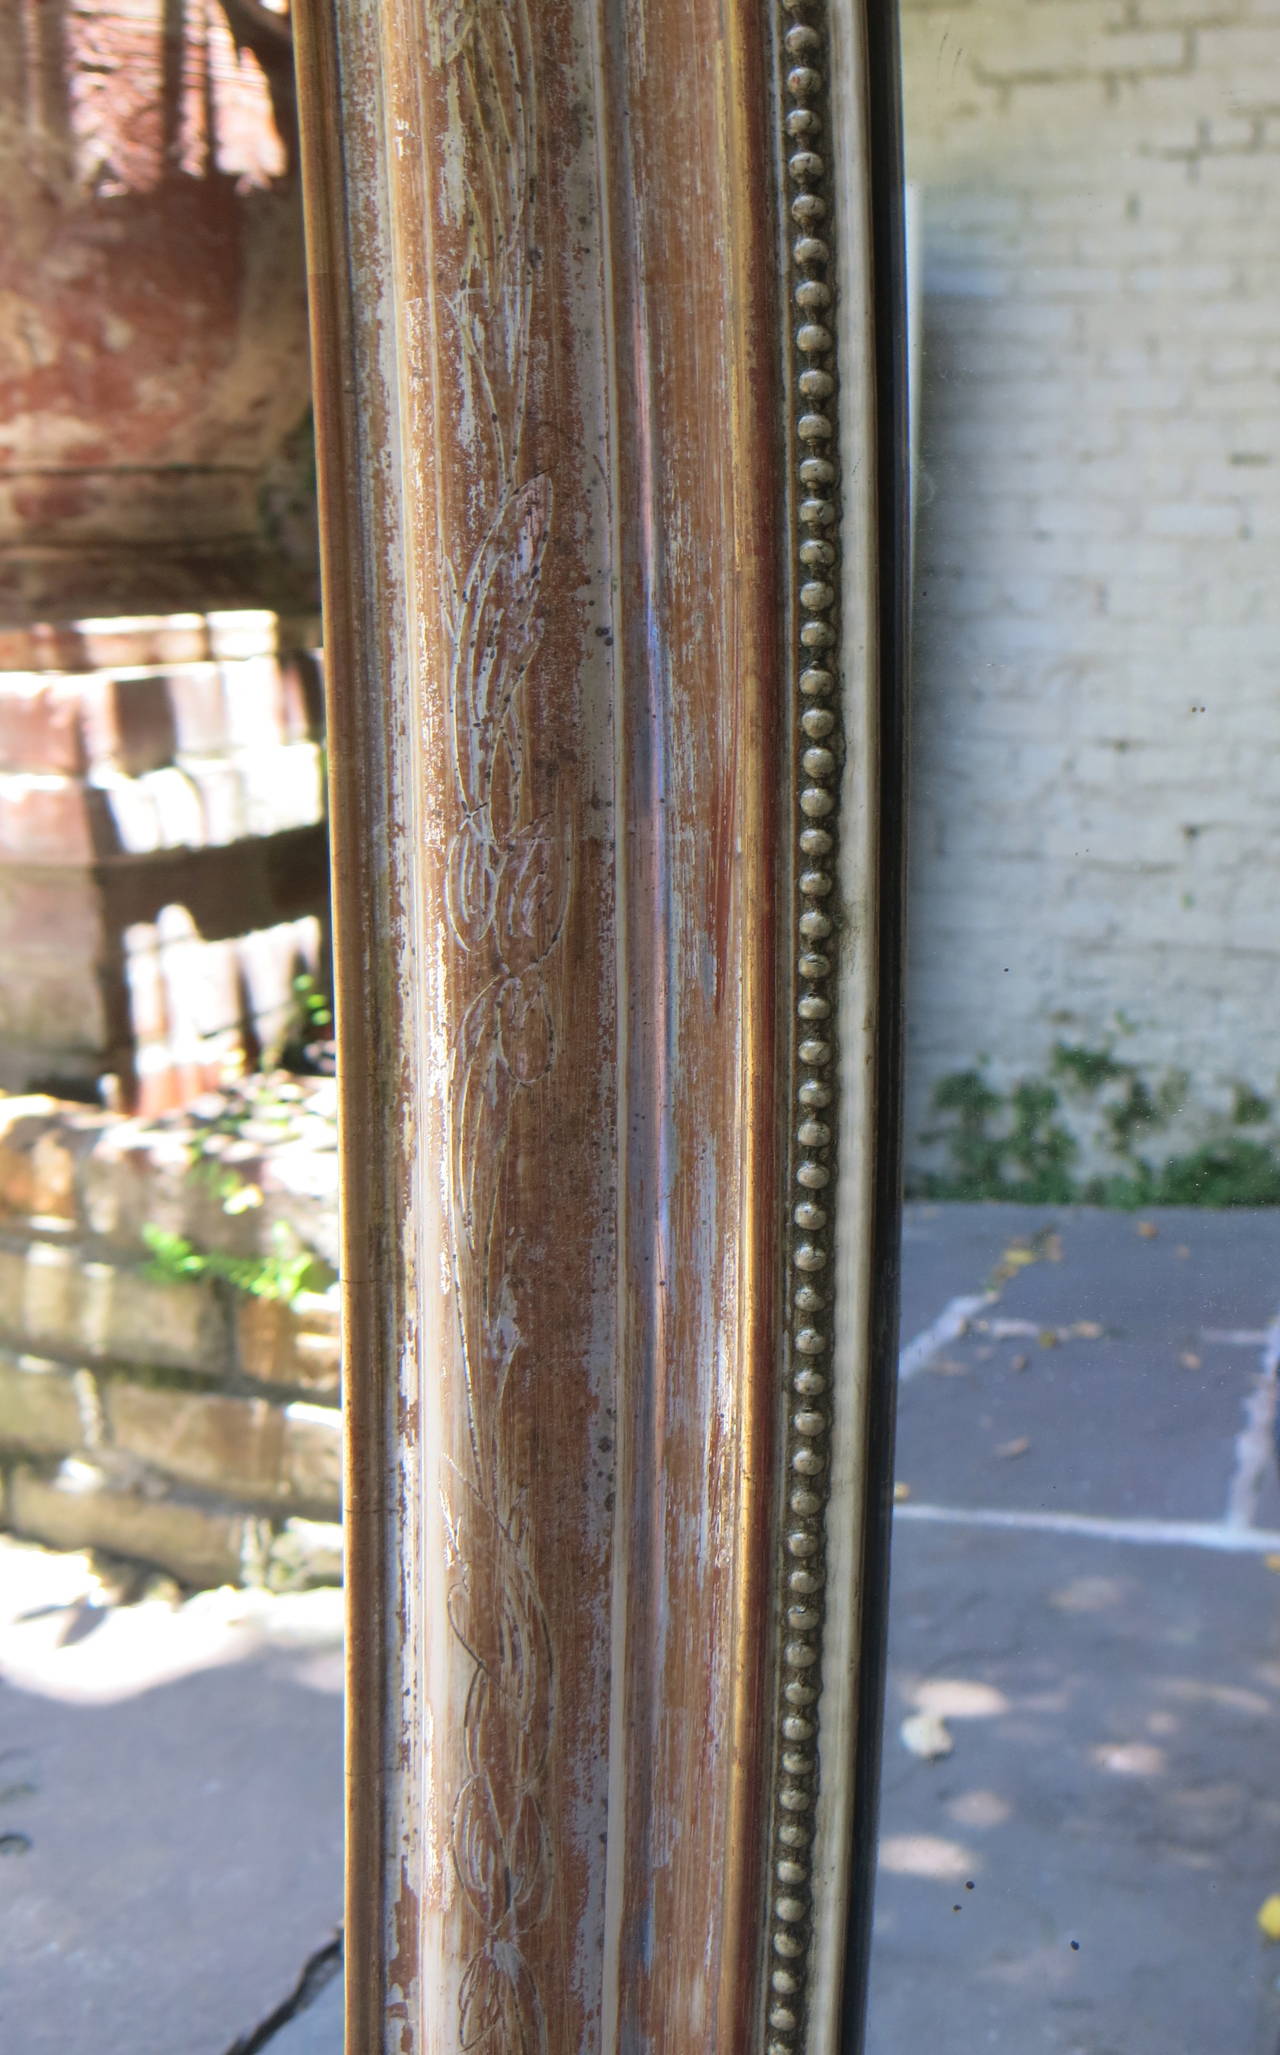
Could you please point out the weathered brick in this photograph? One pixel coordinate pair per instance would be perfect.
(57, 911)
(82, 1507)
(49, 996)
(197, 709)
(298, 1345)
(313, 1455)
(39, 1410)
(127, 721)
(25, 1122)
(233, 1446)
(58, 1298)
(1121, 416)
(47, 817)
(128, 1316)
(40, 724)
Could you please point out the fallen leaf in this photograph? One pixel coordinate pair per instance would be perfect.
(1088, 1330)
(1271, 1562)
(1148, 1230)
(1020, 1363)
(1048, 1337)
(1189, 1360)
(926, 1735)
(1007, 1449)
(901, 1492)
(1269, 1916)
(1182, 1251)
(1015, 1258)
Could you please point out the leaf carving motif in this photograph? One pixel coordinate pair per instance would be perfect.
(500, 2010)
(507, 888)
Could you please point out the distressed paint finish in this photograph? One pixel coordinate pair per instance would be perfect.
(701, 486)
(486, 1120)
(555, 334)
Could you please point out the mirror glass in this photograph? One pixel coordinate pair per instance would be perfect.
(1080, 1832)
(170, 1550)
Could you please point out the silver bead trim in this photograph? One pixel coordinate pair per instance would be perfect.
(804, 114)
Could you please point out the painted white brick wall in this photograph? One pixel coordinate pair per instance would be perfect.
(1096, 745)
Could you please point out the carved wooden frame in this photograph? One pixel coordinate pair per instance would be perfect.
(612, 448)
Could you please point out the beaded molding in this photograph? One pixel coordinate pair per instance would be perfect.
(812, 430)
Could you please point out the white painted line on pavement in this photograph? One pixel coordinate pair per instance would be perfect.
(949, 1326)
(1235, 1337)
(1255, 1447)
(1210, 1534)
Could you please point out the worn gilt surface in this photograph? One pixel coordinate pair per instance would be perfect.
(574, 285)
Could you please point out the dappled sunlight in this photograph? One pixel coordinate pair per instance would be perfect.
(979, 1809)
(62, 1637)
(1130, 1759)
(1200, 1691)
(958, 1698)
(1092, 1594)
(927, 1855)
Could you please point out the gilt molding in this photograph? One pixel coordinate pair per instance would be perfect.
(598, 437)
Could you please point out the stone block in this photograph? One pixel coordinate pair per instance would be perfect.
(40, 728)
(127, 721)
(40, 1412)
(313, 1455)
(298, 1345)
(128, 1316)
(55, 1297)
(305, 1553)
(233, 1446)
(55, 911)
(47, 817)
(32, 1159)
(83, 1507)
(55, 997)
(197, 710)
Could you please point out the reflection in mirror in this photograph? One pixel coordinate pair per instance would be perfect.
(1080, 1824)
(170, 1629)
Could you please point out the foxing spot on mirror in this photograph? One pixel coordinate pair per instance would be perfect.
(1080, 1827)
(171, 1803)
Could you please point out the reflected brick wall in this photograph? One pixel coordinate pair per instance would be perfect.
(1096, 826)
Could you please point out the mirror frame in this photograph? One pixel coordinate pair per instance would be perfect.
(609, 355)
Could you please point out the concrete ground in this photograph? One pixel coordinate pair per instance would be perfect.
(1085, 1593)
(170, 1813)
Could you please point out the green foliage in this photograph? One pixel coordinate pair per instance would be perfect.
(313, 1004)
(1088, 1069)
(283, 1274)
(1006, 1149)
(1016, 1146)
(311, 1021)
(262, 1109)
(1250, 1109)
(1233, 1172)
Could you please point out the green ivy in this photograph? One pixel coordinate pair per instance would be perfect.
(283, 1274)
(1015, 1145)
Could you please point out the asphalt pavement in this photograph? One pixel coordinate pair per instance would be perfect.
(170, 1811)
(1086, 1612)
(1085, 1636)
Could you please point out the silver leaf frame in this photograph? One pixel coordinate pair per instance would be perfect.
(609, 370)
